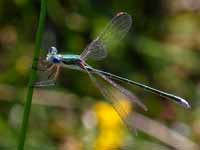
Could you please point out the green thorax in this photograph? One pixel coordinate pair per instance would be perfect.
(70, 59)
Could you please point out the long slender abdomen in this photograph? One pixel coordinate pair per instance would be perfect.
(175, 98)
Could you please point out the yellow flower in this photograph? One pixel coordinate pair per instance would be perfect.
(110, 124)
(107, 115)
(109, 139)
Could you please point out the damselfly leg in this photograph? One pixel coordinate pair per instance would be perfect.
(53, 73)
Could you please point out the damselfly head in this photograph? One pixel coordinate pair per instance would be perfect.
(52, 55)
(55, 59)
(52, 50)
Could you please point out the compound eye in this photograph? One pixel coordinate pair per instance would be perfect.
(56, 60)
(52, 50)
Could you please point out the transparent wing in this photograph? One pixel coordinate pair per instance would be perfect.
(43, 71)
(124, 91)
(115, 30)
(111, 98)
(47, 73)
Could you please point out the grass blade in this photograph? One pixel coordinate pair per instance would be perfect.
(33, 76)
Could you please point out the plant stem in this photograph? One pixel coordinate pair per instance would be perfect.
(33, 76)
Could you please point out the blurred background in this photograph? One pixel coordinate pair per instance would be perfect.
(162, 49)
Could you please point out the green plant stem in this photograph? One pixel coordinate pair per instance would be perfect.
(33, 76)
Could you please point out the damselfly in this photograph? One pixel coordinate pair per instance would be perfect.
(115, 30)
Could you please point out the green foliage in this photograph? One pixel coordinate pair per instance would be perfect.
(33, 76)
(160, 50)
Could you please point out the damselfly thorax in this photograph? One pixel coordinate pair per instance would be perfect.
(72, 62)
(68, 60)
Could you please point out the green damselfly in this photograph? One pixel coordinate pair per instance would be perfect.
(97, 50)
